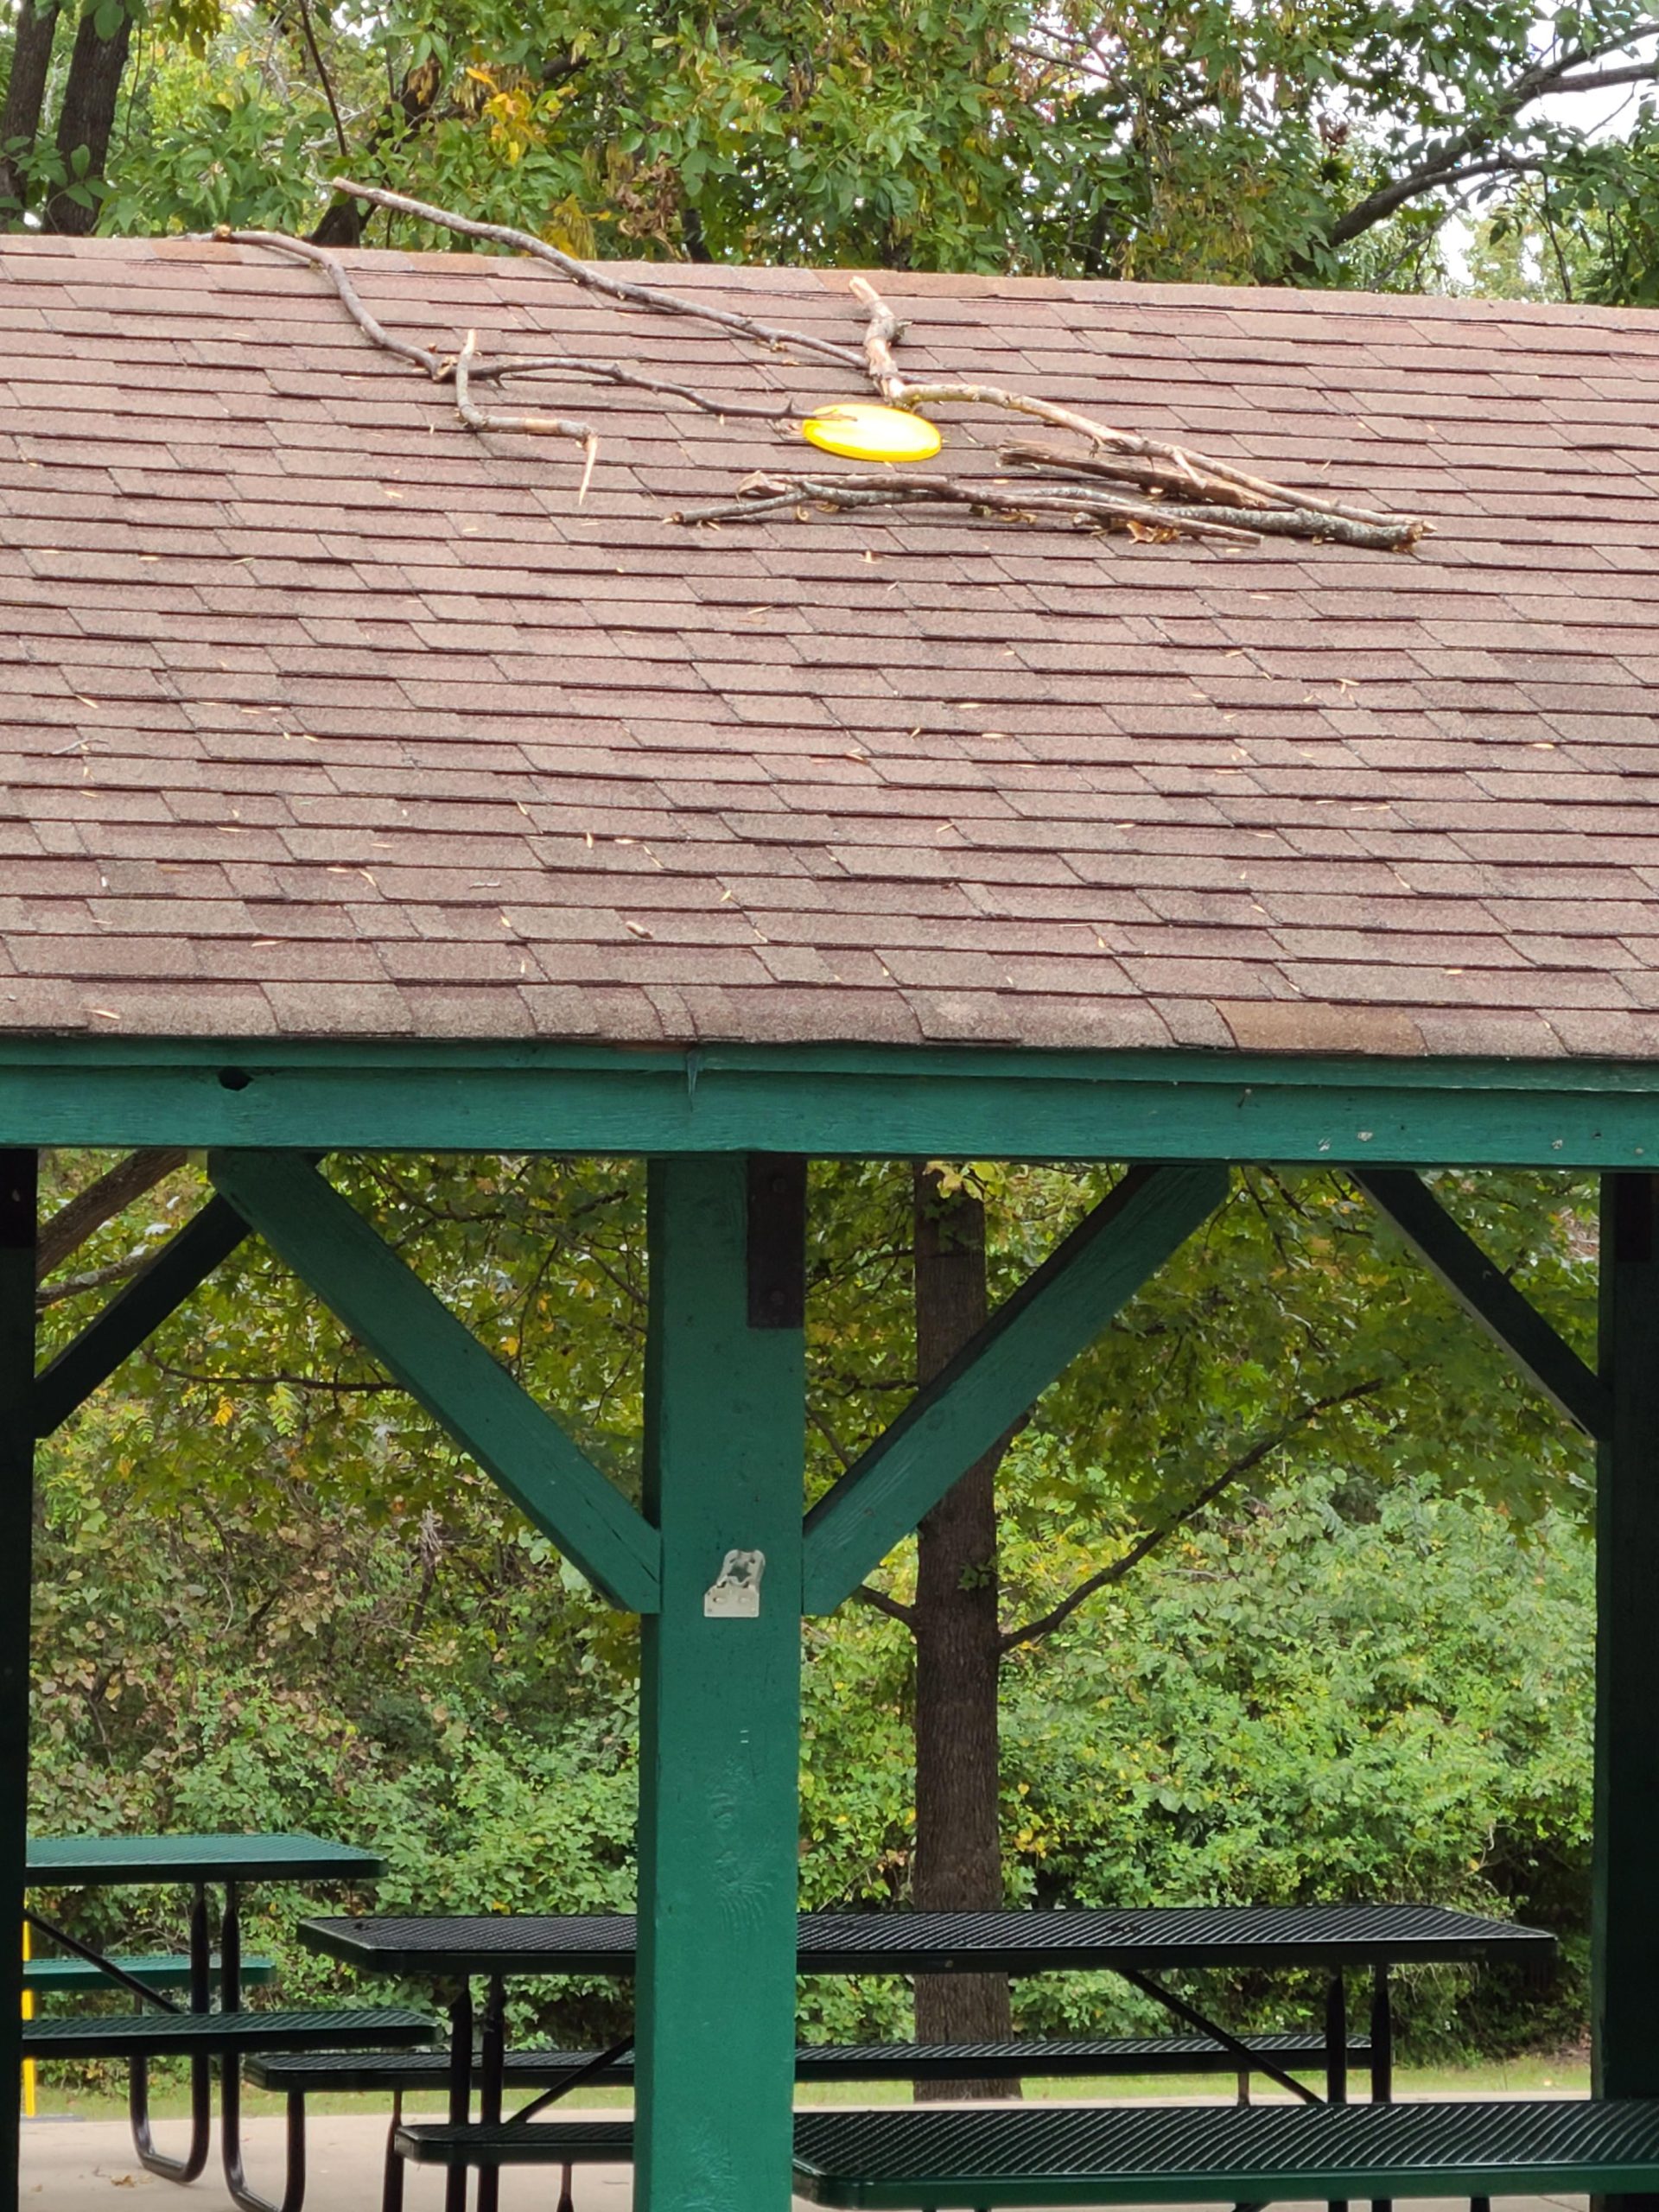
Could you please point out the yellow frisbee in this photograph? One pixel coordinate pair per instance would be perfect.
(863, 432)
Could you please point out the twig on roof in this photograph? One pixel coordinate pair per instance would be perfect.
(1202, 473)
(655, 297)
(1123, 480)
(535, 426)
(512, 365)
(1152, 474)
(334, 269)
(764, 492)
(442, 366)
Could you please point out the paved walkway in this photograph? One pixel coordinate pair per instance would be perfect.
(73, 2165)
(87, 2165)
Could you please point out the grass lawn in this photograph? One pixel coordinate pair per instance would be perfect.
(1514, 2077)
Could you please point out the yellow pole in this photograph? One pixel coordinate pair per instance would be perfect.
(29, 2014)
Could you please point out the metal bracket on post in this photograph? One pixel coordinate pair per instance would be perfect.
(734, 1593)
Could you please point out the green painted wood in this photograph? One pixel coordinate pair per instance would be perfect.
(235, 1065)
(1624, 1907)
(18, 1215)
(1028, 1341)
(62, 1862)
(1488, 1296)
(863, 1102)
(50, 1977)
(719, 1716)
(178, 1269)
(419, 1341)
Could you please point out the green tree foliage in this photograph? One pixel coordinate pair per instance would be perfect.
(271, 1592)
(1322, 139)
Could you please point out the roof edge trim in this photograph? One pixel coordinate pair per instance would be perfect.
(851, 1101)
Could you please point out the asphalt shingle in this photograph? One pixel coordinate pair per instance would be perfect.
(321, 715)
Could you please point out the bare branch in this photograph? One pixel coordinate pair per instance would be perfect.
(765, 493)
(1152, 474)
(1602, 80)
(332, 266)
(868, 1594)
(1148, 1543)
(884, 330)
(614, 373)
(53, 1293)
(274, 1382)
(328, 88)
(1142, 473)
(86, 1213)
(538, 426)
(594, 280)
(1442, 165)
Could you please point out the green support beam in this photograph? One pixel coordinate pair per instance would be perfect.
(866, 1103)
(1625, 1909)
(178, 1269)
(18, 1218)
(720, 1683)
(1030, 1339)
(420, 1343)
(1488, 1296)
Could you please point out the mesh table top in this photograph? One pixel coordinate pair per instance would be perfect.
(1091, 2155)
(936, 1942)
(69, 1862)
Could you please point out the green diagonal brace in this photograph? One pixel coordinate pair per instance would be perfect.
(181, 1266)
(992, 1381)
(1486, 1293)
(438, 1361)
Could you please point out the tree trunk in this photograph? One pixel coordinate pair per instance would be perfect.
(344, 220)
(20, 117)
(87, 119)
(958, 1865)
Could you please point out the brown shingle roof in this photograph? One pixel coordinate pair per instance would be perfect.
(319, 714)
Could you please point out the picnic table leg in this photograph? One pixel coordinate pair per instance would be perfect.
(201, 2069)
(719, 1717)
(494, 2056)
(230, 2096)
(1336, 2053)
(461, 2088)
(1381, 2053)
(391, 2180)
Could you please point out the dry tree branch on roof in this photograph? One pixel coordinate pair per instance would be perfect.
(655, 297)
(1123, 480)
(541, 426)
(443, 367)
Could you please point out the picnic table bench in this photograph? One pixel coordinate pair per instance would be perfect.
(167, 1970)
(196, 2031)
(984, 2159)
(1129, 1942)
(1017, 2058)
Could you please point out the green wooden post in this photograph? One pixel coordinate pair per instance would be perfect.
(1625, 1909)
(18, 1227)
(720, 1719)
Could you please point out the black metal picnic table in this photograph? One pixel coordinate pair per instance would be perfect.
(203, 1862)
(1134, 1943)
